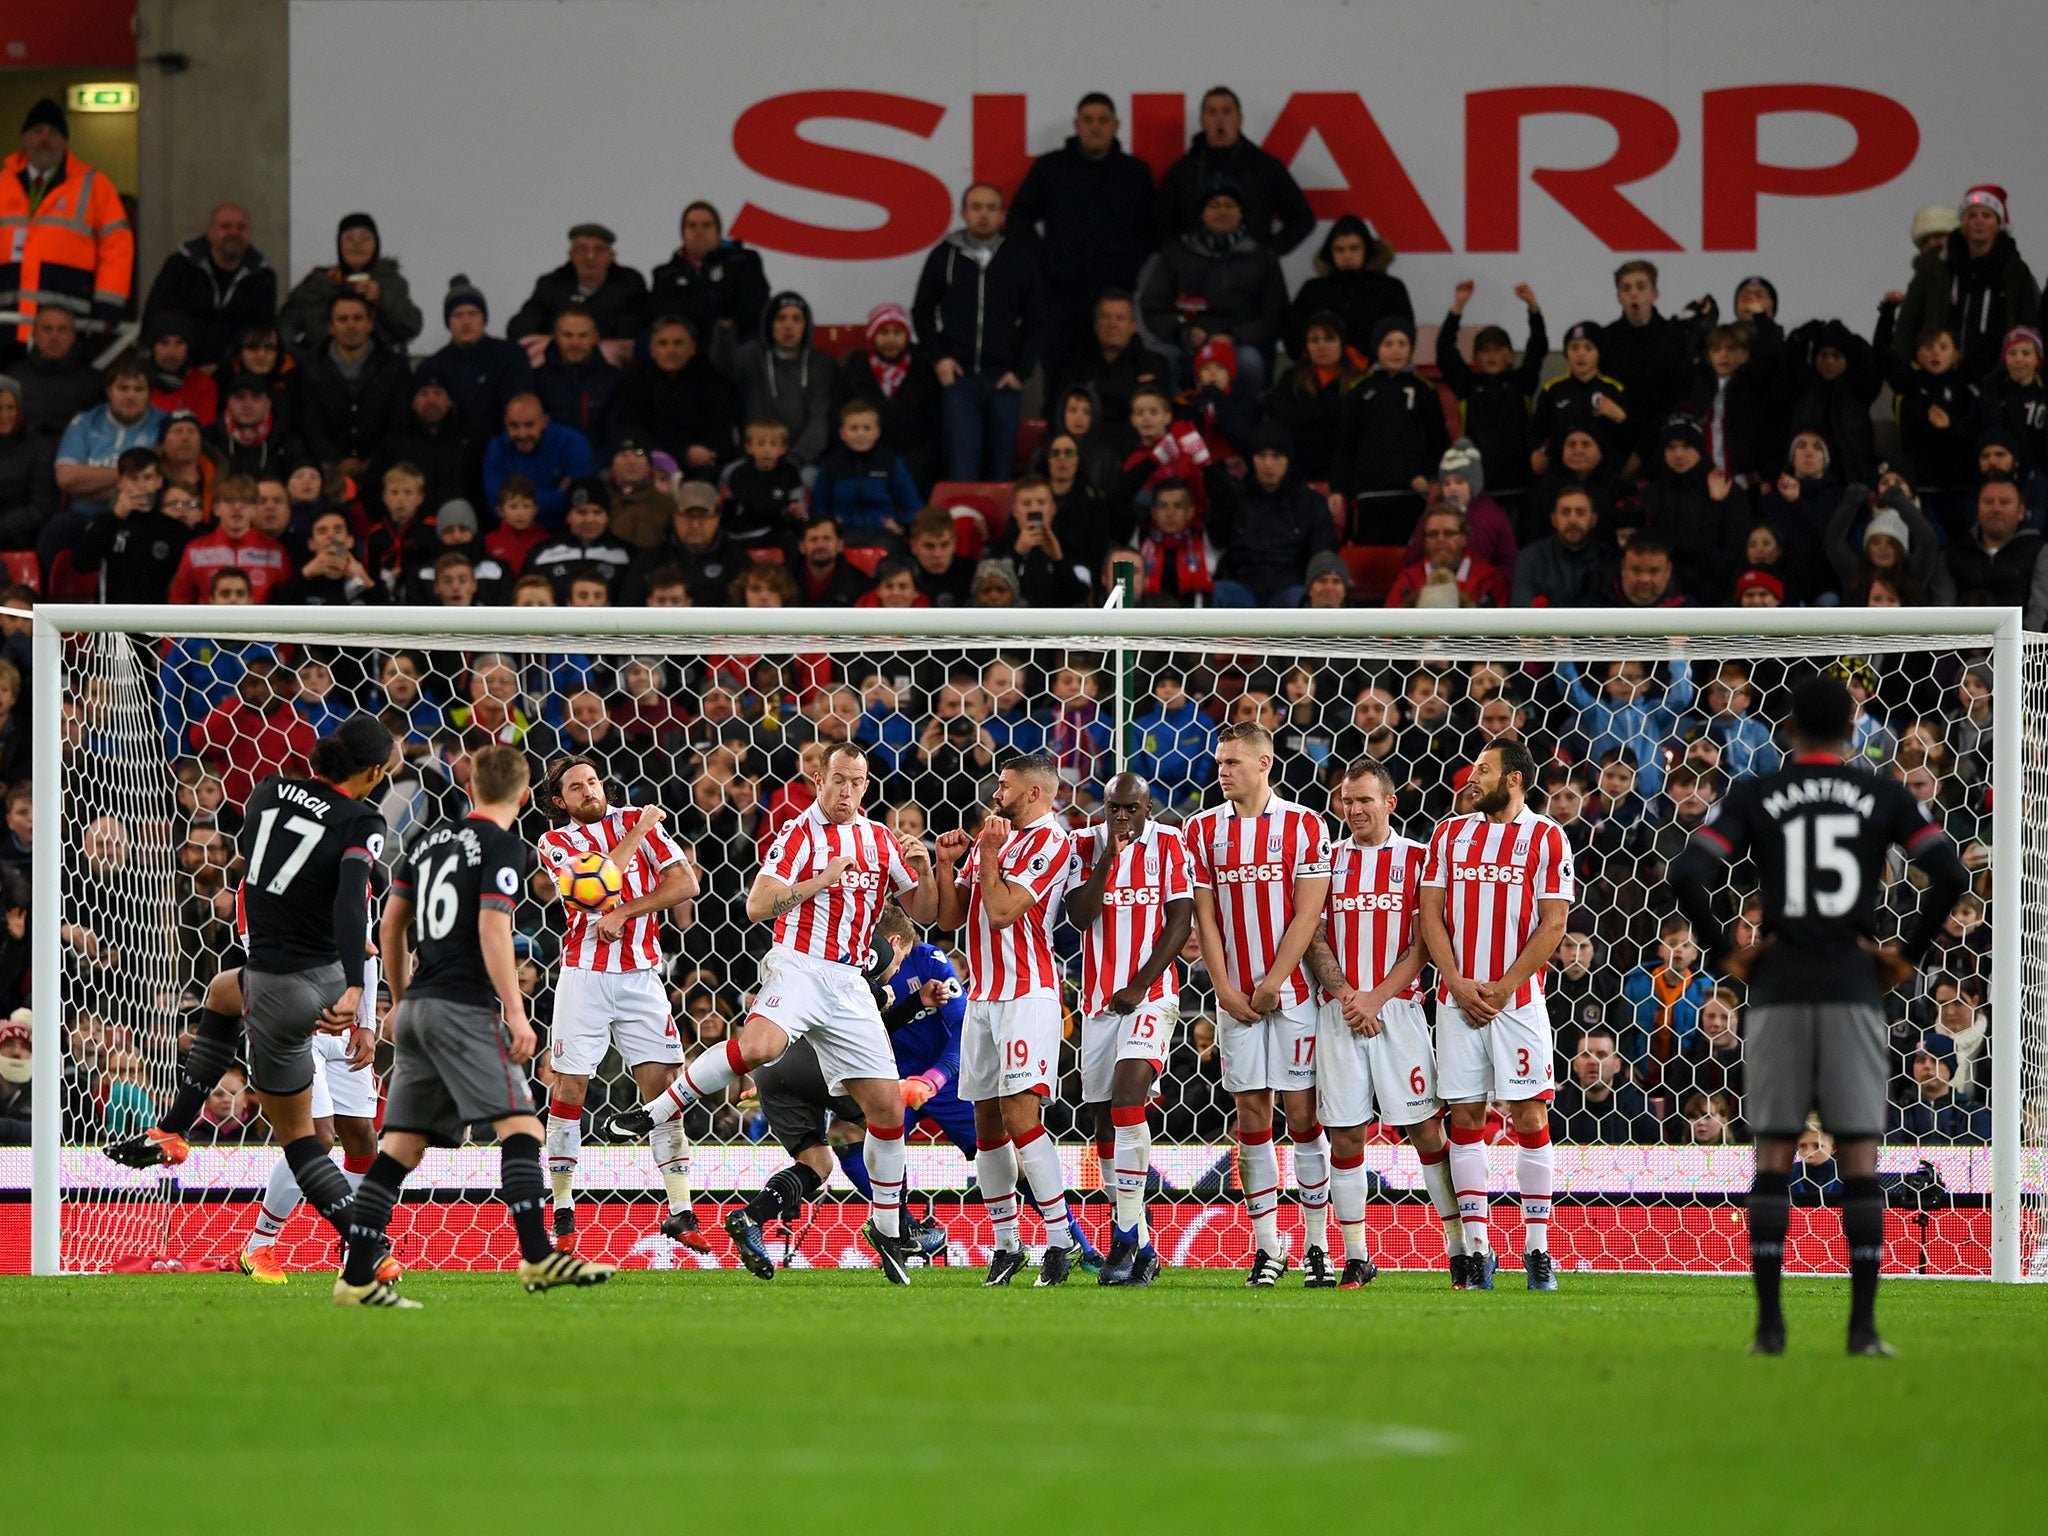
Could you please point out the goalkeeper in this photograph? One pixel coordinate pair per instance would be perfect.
(923, 1005)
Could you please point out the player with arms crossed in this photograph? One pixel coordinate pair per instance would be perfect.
(1818, 831)
(1261, 871)
(460, 1030)
(1010, 1045)
(1496, 892)
(1128, 892)
(610, 988)
(1372, 1042)
(822, 887)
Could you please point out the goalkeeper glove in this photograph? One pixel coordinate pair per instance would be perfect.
(916, 1090)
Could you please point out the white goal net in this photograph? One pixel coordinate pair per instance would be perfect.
(165, 718)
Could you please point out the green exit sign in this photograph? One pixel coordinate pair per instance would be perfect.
(107, 96)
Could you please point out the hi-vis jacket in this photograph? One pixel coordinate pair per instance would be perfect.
(76, 250)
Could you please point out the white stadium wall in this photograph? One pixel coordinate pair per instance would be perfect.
(1730, 136)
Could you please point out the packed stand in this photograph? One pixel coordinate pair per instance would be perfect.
(1092, 375)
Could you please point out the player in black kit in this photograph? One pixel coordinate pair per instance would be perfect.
(461, 1031)
(307, 849)
(1818, 832)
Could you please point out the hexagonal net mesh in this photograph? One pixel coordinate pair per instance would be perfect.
(1635, 737)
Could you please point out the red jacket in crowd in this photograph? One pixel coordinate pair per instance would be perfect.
(257, 553)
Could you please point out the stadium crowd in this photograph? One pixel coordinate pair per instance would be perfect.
(691, 437)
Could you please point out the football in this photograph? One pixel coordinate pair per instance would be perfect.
(590, 882)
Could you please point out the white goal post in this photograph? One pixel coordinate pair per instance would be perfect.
(2018, 766)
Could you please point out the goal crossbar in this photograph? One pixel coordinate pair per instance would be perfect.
(1542, 634)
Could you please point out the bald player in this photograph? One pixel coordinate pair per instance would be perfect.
(1129, 894)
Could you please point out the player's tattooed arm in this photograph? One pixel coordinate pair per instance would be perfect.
(1322, 963)
(770, 898)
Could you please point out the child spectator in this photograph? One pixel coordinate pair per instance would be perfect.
(2013, 399)
(764, 504)
(897, 379)
(1462, 482)
(518, 533)
(1397, 438)
(1744, 741)
(1495, 392)
(139, 543)
(864, 485)
(1311, 400)
(400, 540)
(1898, 544)
(1665, 996)
(1213, 406)
(1582, 399)
(1935, 409)
(1625, 714)
(1731, 398)
(1167, 450)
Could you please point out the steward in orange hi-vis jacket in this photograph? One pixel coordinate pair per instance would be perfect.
(65, 239)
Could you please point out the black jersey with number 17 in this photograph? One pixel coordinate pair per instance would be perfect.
(1819, 831)
(451, 876)
(296, 835)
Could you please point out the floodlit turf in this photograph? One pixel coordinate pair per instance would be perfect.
(828, 1402)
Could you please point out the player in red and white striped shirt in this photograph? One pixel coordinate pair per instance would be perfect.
(1010, 1044)
(1261, 870)
(823, 885)
(610, 988)
(1128, 892)
(1372, 1042)
(1496, 892)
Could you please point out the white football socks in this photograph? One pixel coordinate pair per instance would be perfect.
(1536, 1173)
(565, 1142)
(1038, 1160)
(884, 1158)
(671, 1148)
(1436, 1178)
(1133, 1163)
(1347, 1194)
(995, 1170)
(1312, 1189)
(1469, 1180)
(1258, 1173)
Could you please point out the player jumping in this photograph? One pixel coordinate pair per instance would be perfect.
(1128, 892)
(1496, 891)
(823, 885)
(1261, 871)
(610, 989)
(1010, 1045)
(922, 1006)
(1372, 1042)
(1819, 831)
(461, 1032)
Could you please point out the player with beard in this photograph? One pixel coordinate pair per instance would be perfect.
(610, 989)
(1497, 890)
(1008, 899)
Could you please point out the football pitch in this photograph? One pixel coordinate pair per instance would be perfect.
(827, 1401)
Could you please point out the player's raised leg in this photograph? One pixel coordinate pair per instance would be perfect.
(217, 1040)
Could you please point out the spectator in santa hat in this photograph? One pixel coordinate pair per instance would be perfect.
(1976, 285)
(896, 378)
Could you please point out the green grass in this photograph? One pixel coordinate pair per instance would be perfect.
(692, 1400)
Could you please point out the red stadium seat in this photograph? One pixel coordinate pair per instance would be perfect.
(1031, 436)
(835, 341)
(865, 557)
(22, 568)
(770, 554)
(68, 585)
(970, 531)
(1374, 568)
(991, 498)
